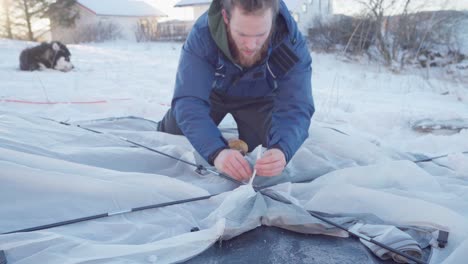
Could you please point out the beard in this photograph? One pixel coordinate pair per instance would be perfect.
(240, 58)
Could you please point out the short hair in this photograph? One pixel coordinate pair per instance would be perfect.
(251, 6)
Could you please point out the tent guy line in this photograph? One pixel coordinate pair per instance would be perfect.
(90, 102)
(62, 102)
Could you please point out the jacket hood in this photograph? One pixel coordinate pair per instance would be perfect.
(219, 33)
(218, 28)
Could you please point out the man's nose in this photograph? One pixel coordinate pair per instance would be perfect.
(251, 43)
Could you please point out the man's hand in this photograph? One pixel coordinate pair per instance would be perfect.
(233, 164)
(272, 163)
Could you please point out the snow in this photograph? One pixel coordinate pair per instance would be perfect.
(359, 152)
(121, 8)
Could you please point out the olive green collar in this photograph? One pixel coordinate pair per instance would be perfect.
(218, 28)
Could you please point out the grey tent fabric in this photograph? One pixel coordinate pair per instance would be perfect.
(391, 236)
(252, 207)
(56, 173)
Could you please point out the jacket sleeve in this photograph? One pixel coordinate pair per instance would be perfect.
(294, 106)
(191, 102)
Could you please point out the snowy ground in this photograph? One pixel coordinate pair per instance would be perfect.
(375, 108)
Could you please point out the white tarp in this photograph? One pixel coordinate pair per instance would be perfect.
(52, 172)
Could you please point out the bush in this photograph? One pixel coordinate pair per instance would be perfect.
(426, 38)
(355, 35)
(429, 38)
(146, 30)
(100, 32)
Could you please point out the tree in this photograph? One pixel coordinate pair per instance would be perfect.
(62, 13)
(377, 11)
(24, 18)
(409, 32)
(28, 13)
(7, 22)
(396, 32)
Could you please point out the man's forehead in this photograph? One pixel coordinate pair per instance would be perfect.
(261, 12)
(251, 23)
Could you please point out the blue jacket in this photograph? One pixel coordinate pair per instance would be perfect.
(206, 64)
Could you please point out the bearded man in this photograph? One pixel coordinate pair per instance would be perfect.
(246, 58)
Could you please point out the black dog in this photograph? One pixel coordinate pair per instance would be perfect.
(53, 55)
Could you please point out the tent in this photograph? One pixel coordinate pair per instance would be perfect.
(58, 171)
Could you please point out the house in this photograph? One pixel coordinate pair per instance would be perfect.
(176, 30)
(308, 12)
(108, 19)
(305, 12)
(198, 6)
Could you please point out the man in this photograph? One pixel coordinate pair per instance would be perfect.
(246, 58)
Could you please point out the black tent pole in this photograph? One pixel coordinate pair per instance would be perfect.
(97, 216)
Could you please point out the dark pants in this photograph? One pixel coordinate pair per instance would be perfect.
(253, 118)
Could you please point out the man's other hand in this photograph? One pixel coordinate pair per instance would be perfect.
(232, 163)
(272, 163)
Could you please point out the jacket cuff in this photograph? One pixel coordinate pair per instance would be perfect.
(277, 146)
(215, 154)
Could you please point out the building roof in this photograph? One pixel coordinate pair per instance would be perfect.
(183, 3)
(292, 4)
(120, 8)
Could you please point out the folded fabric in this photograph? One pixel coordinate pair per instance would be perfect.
(390, 236)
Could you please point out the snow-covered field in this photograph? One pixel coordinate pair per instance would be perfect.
(363, 123)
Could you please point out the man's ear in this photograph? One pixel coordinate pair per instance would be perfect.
(225, 16)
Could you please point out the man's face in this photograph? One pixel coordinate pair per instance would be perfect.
(248, 34)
